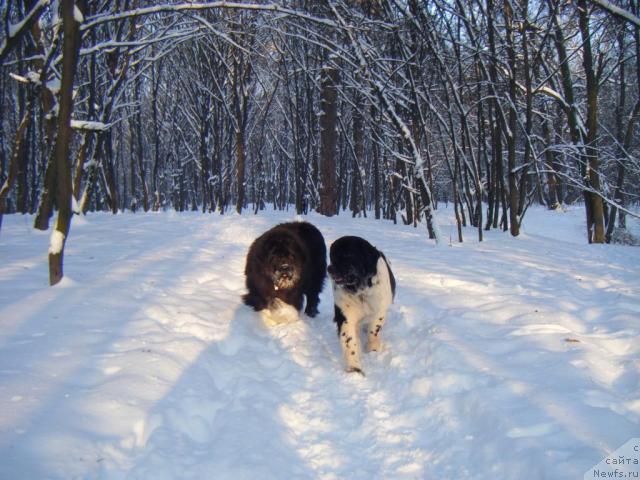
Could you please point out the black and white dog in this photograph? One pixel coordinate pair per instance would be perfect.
(285, 264)
(363, 290)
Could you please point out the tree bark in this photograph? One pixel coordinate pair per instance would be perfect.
(70, 49)
(595, 212)
(13, 160)
(357, 203)
(377, 195)
(511, 133)
(240, 168)
(328, 140)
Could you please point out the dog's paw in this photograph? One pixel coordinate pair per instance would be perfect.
(311, 312)
(374, 347)
(356, 370)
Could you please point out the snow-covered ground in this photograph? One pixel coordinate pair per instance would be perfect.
(506, 359)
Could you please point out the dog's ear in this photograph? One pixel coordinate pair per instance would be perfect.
(372, 259)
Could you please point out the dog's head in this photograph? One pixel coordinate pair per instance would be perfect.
(284, 261)
(353, 263)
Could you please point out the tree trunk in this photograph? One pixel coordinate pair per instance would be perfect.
(554, 196)
(205, 125)
(70, 49)
(328, 141)
(155, 82)
(80, 162)
(13, 160)
(22, 188)
(357, 192)
(376, 181)
(511, 133)
(109, 172)
(595, 212)
(240, 168)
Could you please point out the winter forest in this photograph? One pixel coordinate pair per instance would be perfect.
(487, 149)
(387, 107)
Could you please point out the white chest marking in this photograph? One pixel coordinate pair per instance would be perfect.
(370, 301)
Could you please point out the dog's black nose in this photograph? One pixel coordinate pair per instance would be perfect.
(285, 270)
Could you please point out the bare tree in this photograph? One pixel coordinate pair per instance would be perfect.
(328, 139)
(70, 49)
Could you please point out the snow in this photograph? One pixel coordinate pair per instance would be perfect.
(75, 206)
(89, 125)
(512, 358)
(56, 243)
(30, 76)
(77, 14)
(54, 85)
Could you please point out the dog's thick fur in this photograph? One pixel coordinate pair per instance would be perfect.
(284, 265)
(363, 289)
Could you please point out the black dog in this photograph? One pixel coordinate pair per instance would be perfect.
(363, 289)
(283, 265)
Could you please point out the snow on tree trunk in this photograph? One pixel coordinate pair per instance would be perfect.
(70, 49)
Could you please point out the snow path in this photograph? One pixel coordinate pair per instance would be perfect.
(510, 358)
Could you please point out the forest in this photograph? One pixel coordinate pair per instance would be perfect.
(387, 108)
